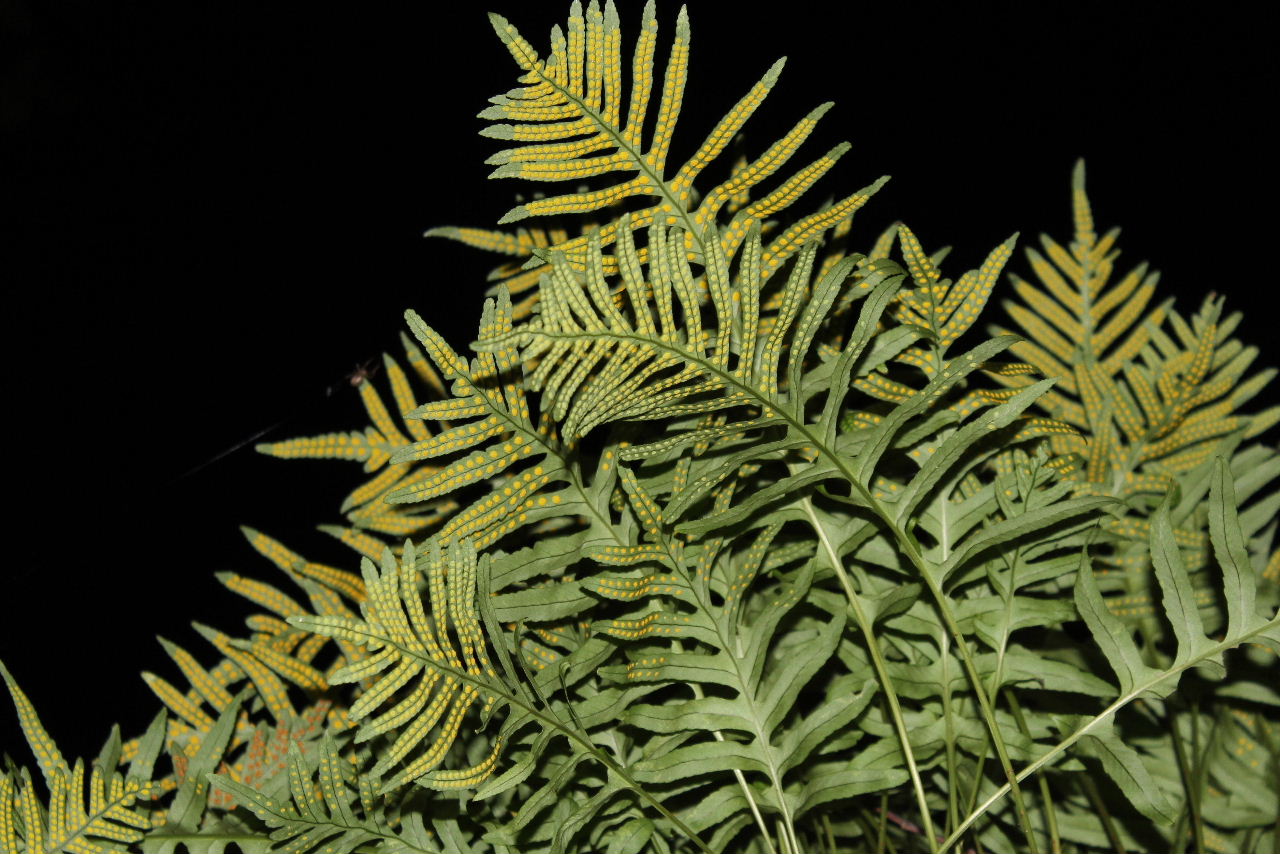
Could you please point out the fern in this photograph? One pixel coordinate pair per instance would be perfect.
(725, 536)
(67, 820)
(1152, 405)
(421, 651)
(1194, 649)
(331, 814)
(378, 448)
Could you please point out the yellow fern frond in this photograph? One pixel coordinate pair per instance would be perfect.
(410, 649)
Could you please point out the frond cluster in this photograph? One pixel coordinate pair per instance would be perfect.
(724, 536)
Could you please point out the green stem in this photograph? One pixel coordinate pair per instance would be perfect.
(1046, 796)
(882, 839)
(1104, 815)
(942, 504)
(829, 834)
(878, 663)
(902, 537)
(1125, 699)
(1188, 775)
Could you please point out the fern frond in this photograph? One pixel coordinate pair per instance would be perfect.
(89, 812)
(419, 650)
(376, 447)
(1148, 406)
(70, 822)
(1149, 672)
(336, 813)
(498, 442)
(945, 309)
(597, 364)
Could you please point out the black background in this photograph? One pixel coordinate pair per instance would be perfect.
(213, 212)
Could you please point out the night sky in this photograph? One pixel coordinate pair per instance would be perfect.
(211, 214)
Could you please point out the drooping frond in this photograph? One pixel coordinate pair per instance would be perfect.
(1155, 673)
(274, 657)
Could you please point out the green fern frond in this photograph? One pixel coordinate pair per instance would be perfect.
(336, 813)
(447, 680)
(70, 822)
(945, 309)
(497, 441)
(1148, 672)
(568, 124)
(274, 648)
(722, 541)
(691, 641)
(597, 364)
(89, 812)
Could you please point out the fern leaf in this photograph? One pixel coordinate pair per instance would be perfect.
(70, 823)
(446, 678)
(568, 125)
(43, 747)
(732, 654)
(1171, 399)
(326, 815)
(377, 448)
(617, 367)
(1113, 637)
(523, 460)
(86, 810)
(945, 309)
(1126, 767)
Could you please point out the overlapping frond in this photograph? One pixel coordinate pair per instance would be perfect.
(1153, 672)
(568, 124)
(944, 308)
(493, 440)
(334, 810)
(653, 358)
(731, 657)
(274, 649)
(410, 650)
(1151, 393)
(369, 515)
(284, 669)
(740, 544)
(86, 811)
(1154, 399)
